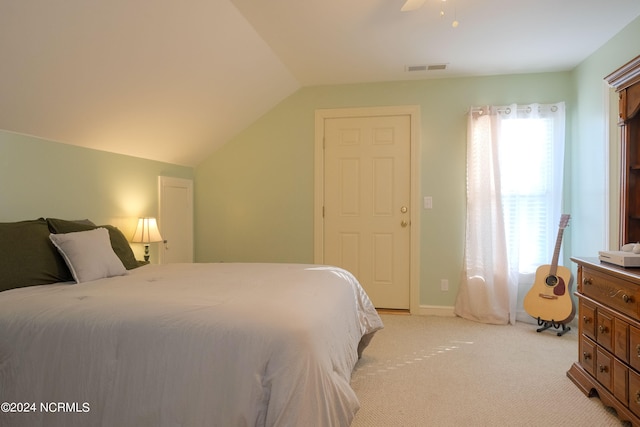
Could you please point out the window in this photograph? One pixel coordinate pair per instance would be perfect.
(526, 149)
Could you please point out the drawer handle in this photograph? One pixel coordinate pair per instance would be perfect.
(638, 397)
(587, 356)
(603, 368)
(603, 329)
(626, 298)
(587, 281)
(586, 319)
(638, 352)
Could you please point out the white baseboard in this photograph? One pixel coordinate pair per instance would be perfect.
(435, 310)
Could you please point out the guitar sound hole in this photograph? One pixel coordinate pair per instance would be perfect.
(551, 280)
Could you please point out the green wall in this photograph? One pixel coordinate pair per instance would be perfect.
(255, 194)
(40, 178)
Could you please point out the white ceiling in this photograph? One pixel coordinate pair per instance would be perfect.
(173, 81)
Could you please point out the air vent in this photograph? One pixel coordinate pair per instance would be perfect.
(433, 67)
(410, 68)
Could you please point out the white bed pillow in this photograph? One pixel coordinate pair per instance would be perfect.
(89, 254)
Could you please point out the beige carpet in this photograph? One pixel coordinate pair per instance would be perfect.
(446, 371)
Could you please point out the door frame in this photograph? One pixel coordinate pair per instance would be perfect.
(177, 182)
(413, 111)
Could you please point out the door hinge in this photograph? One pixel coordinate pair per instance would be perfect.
(323, 212)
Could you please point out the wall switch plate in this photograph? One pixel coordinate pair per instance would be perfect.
(428, 202)
(444, 285)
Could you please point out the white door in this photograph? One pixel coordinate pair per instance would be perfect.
(367, 203)
(175, 219)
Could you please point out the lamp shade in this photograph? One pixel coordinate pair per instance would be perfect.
(147, 231)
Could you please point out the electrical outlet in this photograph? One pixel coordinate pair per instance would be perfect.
(444, 284)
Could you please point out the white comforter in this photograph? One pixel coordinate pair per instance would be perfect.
(185, 345)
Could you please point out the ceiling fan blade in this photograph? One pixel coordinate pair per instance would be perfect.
(412, 5)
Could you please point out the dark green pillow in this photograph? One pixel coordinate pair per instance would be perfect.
(119, 243)
(27, 256)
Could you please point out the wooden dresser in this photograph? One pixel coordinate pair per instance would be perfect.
(609, 336)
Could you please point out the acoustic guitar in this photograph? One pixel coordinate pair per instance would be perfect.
(549, 298)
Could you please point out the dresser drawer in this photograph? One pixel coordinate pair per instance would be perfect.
(588, 319)
(604, 368)
(634, 392)
(634, 347)
(604, 328)
(613, 292)
(587, 355)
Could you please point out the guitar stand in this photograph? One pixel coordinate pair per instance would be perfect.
(551, 324)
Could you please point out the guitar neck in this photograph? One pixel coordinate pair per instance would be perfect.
(556, 253)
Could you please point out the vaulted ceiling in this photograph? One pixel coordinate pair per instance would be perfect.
(174, 80)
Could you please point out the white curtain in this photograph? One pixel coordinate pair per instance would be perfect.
(515, 157)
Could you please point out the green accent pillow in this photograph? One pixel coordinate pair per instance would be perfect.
(28, 257)
(119, 243)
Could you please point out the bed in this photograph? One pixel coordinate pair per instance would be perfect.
(220, 344)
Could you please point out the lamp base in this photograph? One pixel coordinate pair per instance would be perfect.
(146, 253)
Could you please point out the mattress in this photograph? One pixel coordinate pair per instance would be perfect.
(226, 344)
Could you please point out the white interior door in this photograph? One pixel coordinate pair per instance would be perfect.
(175, 219)
(367, 203)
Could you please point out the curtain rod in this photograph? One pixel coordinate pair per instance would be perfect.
(506, 109)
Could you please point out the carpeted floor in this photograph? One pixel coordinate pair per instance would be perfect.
(447, 371)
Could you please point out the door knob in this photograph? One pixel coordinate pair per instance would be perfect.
(403, 224)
